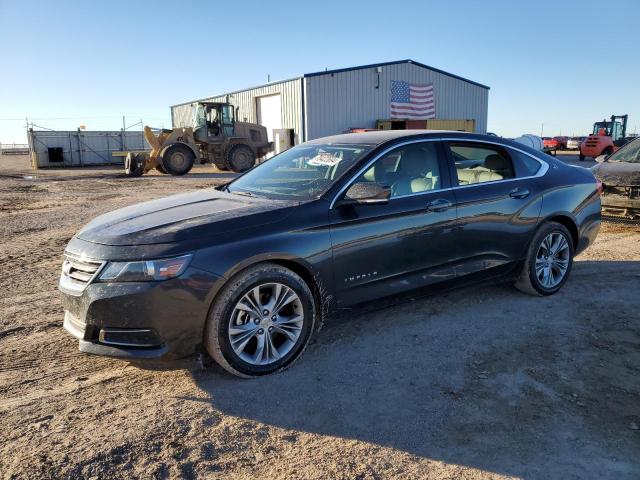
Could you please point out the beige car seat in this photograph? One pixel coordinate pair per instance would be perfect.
(416, 172)
(495, 168)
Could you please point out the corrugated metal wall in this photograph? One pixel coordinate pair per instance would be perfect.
(290, 91)
(82, 148)
(339, 101)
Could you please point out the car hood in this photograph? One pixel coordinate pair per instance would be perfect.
(618, 173)
(183, 217)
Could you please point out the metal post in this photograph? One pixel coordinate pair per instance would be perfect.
(124, 148)
(70, 151)
(80, 148)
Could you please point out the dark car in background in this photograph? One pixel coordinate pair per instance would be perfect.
(619, 174)
(561, 142)
(249, 270)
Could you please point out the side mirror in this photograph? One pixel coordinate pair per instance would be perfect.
(602, 158)
(366, 193)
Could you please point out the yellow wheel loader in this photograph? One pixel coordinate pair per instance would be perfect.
(214, 137)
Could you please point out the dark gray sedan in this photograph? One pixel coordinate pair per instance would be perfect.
(249, 270)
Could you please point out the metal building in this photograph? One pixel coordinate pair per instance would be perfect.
(325, 103)
(76, 148)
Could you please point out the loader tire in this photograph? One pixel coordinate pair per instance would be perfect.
(240, 158)
(177, 160)
(221, 165)
(133, 165)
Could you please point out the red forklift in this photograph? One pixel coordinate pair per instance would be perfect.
(606, 138)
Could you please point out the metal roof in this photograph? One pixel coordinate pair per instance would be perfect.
(374, 65)
(341, 70)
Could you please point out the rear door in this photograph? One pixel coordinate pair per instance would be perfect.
(498, 195)
(379, 250)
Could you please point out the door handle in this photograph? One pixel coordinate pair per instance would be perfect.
(439, 205)
(519, 193)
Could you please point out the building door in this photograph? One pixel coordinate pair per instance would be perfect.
(269, 111)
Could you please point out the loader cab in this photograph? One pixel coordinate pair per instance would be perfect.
(213, 121)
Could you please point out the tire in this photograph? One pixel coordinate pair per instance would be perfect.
(220, 165)
(133, 165)
(177, 160)
(225, 313)
(239, 158)
(529, 281)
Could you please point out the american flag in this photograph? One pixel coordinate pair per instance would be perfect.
(412, 101)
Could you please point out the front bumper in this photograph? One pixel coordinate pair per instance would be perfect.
(621, 206)
(140, 320)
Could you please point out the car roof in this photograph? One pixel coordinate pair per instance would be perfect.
(378, 137)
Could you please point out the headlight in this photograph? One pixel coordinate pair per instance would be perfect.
(145, 271)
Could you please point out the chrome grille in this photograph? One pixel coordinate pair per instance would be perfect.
(78, 271)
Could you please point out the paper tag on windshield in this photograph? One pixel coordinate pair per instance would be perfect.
(324, 159)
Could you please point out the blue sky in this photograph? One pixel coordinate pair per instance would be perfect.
(562, 63)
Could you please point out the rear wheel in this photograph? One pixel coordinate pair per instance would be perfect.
(261, 321)
(220, 165)
(178, 160)
(549, 261)
(240, 158)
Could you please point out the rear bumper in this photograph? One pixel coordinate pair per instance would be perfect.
(141, 320)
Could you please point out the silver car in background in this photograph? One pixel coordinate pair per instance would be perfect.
(574, 143)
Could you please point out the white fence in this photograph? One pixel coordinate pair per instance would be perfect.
(81, 148)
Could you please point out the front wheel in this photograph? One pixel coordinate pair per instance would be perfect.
(549, 260)
(177, 160)
(261, 321)
(240, 158)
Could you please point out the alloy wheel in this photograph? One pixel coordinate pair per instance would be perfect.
(552, 260)
(266, 323)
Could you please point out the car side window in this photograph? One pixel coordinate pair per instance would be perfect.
(524, 165)
(477, 163)
(406, 170)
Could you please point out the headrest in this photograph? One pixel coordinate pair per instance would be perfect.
(412, 161)
(496, 163)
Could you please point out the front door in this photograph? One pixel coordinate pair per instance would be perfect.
(380, 250)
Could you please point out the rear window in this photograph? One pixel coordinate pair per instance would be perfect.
(525, 165)
(479, 163)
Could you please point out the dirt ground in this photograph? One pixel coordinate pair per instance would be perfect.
(476, 383)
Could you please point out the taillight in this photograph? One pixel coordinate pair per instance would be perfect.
(599, 187)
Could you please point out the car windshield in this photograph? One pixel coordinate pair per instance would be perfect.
(629, 153)
(303, 172)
